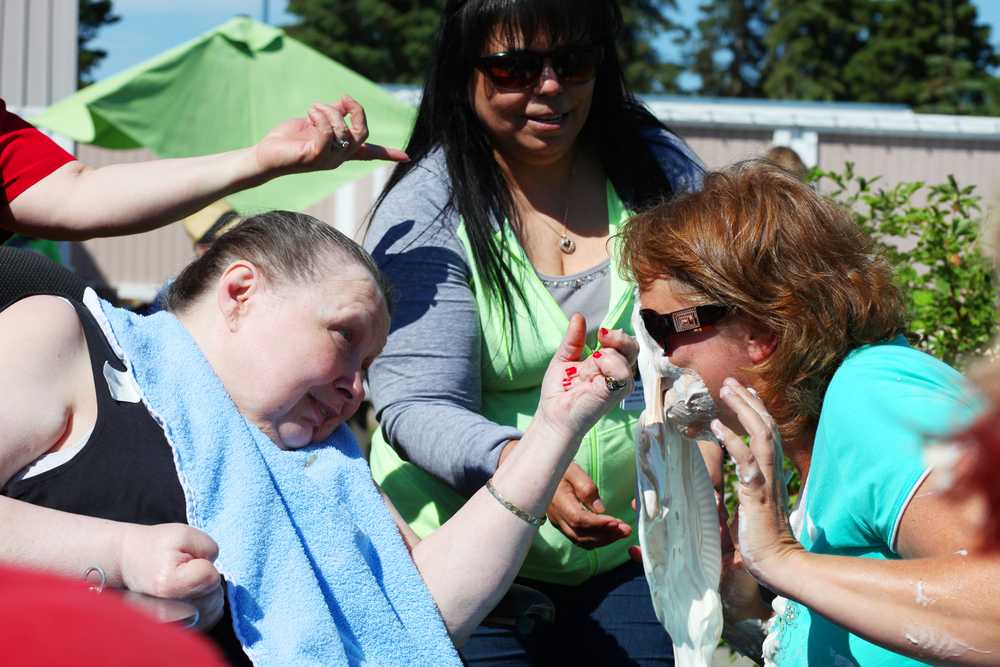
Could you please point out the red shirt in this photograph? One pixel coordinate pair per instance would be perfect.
(26, 157)
(47, 620)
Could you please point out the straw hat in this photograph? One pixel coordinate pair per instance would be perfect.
(198, 224)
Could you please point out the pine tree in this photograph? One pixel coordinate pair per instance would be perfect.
(809, 46)
(392, 40)
(94, 14)
(384, 40)
(931, 55)
(647, 21)
(730, 56)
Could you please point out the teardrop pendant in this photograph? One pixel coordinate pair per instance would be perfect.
(567, 245)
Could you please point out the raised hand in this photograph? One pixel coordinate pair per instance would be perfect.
(322, 140)
(174, 561)
(763, 536)
(575, 394)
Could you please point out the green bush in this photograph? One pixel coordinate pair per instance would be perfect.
(931, 236)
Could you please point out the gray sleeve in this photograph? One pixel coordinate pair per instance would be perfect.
(426, 383)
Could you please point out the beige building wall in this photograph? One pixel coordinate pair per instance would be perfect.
(37, 51)
(719, 147)
(973, 162)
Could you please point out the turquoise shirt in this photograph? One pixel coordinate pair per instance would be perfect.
(883, 404)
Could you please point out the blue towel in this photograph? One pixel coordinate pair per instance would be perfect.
(316, 571)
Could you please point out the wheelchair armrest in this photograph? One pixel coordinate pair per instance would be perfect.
(523, 609)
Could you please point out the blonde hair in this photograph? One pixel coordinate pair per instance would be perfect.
(758, 239)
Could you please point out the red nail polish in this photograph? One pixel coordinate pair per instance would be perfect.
(597, 355)
(603, 331)
(571, 371)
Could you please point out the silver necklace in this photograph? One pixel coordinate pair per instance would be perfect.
(566, 245)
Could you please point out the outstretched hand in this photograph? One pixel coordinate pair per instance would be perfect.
(763, 537)
(322, 140)
(575, 394)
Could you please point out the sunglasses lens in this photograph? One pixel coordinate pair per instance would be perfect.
(513, 70)
(577, 65)
(655, 327)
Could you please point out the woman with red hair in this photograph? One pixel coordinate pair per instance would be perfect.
(759, 281)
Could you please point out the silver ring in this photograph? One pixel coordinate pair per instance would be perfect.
(340, 145)
(614, 385)
(102, 578)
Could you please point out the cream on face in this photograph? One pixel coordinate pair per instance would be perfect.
(708, 357)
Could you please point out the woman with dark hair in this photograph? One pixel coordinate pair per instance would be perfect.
(781, 291)
(527, 154)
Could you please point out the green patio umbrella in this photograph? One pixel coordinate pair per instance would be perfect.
(225, 90)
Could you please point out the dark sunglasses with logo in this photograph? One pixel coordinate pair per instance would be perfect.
(520, 69)
(662, 326)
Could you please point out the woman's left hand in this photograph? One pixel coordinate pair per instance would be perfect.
(763, 536)
(322, 140)
(576, 393)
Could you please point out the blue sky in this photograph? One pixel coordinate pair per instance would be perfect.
(149, 27)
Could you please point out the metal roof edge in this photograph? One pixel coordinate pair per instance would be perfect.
(825, 121)
(823, 118)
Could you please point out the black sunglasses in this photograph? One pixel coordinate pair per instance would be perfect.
(661, 327)
(521, 69)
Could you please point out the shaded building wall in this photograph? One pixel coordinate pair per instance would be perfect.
(719, 147)
(894, 158)
(37, 51)
(931, 160)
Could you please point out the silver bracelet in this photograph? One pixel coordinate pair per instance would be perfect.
(531, 519)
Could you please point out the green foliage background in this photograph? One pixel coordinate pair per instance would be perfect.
(392, 40)
(936, 57)
(931, 236)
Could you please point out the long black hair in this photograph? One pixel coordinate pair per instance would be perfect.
(446, 119)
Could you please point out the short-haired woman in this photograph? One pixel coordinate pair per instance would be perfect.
(874, 567)
(228, 414)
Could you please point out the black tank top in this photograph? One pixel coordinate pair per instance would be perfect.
(125, 471)
(24, 273)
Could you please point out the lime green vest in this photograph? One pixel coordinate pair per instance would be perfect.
(511, 377)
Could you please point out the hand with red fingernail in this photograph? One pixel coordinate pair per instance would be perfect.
(575, 394)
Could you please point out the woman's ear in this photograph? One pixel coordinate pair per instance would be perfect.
(239, 282)
(761, 342)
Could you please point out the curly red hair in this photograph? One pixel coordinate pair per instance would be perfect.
(758, 239)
